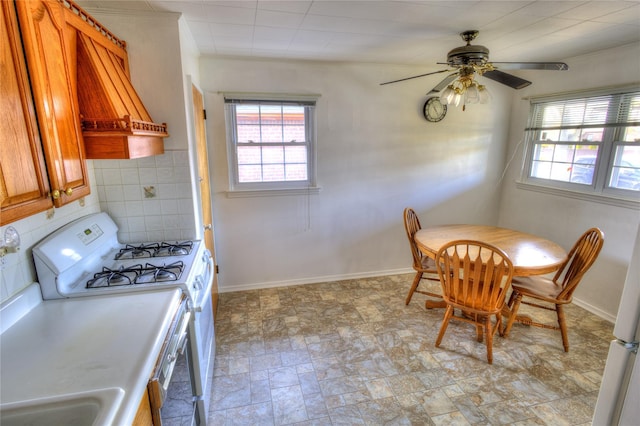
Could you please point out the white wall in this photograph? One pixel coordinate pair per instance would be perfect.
(376, 155)
(564, 219)
(189, 53)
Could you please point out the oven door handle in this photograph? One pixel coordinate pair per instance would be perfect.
(182, 342)
(206, 278)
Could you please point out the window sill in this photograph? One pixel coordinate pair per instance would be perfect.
(614, 200)
(273, 192)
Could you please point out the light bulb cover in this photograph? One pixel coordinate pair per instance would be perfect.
(472, 95)
(483, 94)
(10, 242)
(464, 90)
(447, 95)
(457, 98)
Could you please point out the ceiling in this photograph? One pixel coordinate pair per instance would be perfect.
(397, 32)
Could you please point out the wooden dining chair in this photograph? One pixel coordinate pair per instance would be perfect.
(424, 266)
(557, 291)
(475, 278)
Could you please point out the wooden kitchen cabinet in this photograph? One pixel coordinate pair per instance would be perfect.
(24, 186)
(53, 83)
(143, 415)
(66, 97)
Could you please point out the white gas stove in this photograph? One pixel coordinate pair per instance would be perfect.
(85, 258)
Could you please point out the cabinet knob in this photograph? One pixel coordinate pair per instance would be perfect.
(57, 193)
(208, 227)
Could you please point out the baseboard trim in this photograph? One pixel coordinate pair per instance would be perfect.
(595, 311)
(313, 280)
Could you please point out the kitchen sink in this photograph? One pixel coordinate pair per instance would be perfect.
(96, 407)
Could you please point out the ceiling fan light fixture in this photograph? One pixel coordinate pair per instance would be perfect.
(469, 60)
(465, 90)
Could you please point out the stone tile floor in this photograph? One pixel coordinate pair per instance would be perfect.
(351, 353)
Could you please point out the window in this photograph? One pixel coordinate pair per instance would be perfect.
(586, 144)
(271, 143)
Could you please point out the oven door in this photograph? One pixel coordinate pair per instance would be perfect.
(170, 387)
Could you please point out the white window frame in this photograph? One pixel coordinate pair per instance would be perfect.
(249, 189)
(599, 191)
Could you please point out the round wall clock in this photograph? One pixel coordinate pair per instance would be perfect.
(433, 110)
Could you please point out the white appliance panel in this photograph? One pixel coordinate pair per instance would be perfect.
(626, 327)
(619, 394)
(76, 241)
(614, 381)
(630, 414)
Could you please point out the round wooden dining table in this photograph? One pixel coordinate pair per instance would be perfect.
(530, 254)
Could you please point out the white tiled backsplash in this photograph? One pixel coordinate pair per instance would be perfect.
(150, 199)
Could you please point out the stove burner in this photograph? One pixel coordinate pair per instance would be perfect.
(115, 277)
(153, 274)
(174, 249)
(139, 251)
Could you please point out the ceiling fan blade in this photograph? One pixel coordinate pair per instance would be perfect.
(415, 76)
(507, 79)
(552, 66)
(444, 83)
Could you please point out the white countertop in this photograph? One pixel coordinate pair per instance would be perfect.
(87, 343)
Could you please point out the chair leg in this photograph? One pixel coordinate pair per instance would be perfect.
(445, 323)
(489, 333)
(479, 330)
(414, 286)
(512, 296)
(563, 327)
(514, 305)
(498, 326)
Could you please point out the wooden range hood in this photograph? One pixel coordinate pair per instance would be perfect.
(115, 123)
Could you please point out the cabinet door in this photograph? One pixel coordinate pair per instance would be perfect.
(24, 187)
(50, 67)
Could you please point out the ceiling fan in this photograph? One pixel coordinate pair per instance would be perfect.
(466, 61)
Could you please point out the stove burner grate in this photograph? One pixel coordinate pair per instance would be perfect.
(149, 250)
(136, 274)
(115, 277)
(139, 251)
(154, 274)
(174, 249)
